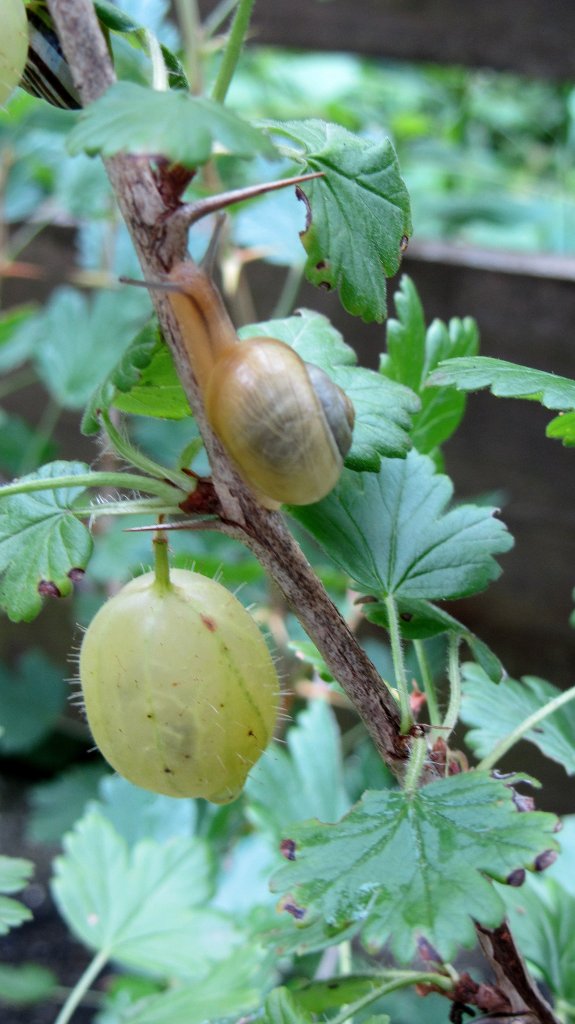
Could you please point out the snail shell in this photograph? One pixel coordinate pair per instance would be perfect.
(284, 422)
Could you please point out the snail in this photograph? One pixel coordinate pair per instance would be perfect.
(46, 73)
(285, 424)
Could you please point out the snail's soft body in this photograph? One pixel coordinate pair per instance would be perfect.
(285, 424)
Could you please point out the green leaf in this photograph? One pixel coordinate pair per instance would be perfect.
(383, 409)
(144, 906)
(19, 443)
(15, 873)
(31, 702)
(506, 380)
(158, 392)
(414, 351)
(309, 775)
(130, 118)
(26, 984)
(415, 864)
(16, 339)
(420, 620)
(320, 996)
(231, 989)
(392, 534)
(361, 195)
(125, 375)
(57, 804)
(281, 1007)
(137, 813)
(40, 543)
(541, 919)
(562, 428)
(495, 711)
(81, 340)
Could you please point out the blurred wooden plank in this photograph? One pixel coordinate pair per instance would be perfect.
(532, 37)
(503, 261)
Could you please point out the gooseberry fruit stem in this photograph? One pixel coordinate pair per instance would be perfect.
(161, 561)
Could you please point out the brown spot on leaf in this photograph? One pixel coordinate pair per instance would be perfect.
(287, 849)
(545, 860)
(427, 952)
(296, 912)
(76, 574)
(209, 623)
(304, 199)
(523, 803)
(48, 589)
(516, 878)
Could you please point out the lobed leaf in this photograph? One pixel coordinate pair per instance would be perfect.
(413, 352)
(230, 990)
(41, 542)
(494, 712)
(541, 918)
(80, 341)
(309, 775)
(185, 129)
(142, 906)
(506, 380)
(412, 865)
(15, 872)
(124, 375)
(362, 195)
(392, 534)
(562, 428)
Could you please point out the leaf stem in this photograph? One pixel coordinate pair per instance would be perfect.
(137, 507)
(189, 22)
(401, 980)
(130, 481)
(130, 453)
(233, 49)
(524, 727)
(415, 765)
(454, 676)
(82, 985)
(428, 684)
(398, 664)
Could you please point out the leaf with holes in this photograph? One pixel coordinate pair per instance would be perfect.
(41, 543)
(361, 194)
(392, 534)
(413, 865)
